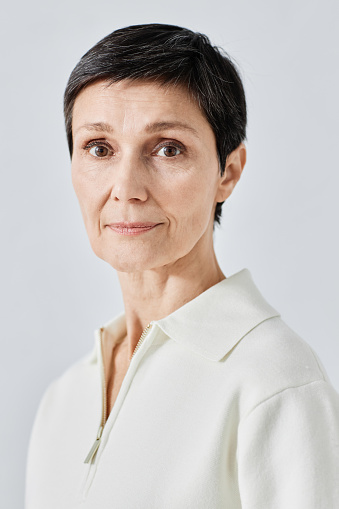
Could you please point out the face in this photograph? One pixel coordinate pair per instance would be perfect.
(146, 174)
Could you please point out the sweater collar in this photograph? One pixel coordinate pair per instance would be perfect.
(217, 319)
(212, 323)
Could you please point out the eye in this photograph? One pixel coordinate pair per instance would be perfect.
(98, 150)
(169, 151)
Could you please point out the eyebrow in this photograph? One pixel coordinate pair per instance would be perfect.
(96, 126)
(163, 126)
(154, 127)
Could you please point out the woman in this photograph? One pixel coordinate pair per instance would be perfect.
(198, 395)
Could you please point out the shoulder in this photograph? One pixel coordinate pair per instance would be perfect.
(283, 353)
(68, 389)
(272, 358)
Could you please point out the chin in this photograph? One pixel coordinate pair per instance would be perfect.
(132, 262)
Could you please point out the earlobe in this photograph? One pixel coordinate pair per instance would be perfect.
(235, 163)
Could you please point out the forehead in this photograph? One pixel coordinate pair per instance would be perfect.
(136, 104)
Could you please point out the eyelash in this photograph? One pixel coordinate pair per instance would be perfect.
(94, 143)
(168, 143)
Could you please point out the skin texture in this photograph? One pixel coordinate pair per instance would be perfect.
(126, 175)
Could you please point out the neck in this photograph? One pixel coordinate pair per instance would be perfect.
(156, 293)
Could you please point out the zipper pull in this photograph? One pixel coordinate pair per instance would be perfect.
(95, 447)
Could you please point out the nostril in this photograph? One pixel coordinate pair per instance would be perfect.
(129, 192)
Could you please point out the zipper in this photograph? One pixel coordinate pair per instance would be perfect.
(142, 337)
(91, 455)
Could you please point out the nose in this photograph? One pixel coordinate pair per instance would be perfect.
(129, 180)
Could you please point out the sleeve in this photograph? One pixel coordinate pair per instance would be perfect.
(288, 450)
(33, 470)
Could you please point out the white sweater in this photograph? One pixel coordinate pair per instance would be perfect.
(223, 406)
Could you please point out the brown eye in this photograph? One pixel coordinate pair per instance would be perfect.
(99, 151)
(169, 151)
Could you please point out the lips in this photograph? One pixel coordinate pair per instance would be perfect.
(133, 225)
(132, 228)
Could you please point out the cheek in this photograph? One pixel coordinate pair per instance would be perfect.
(88, 197)
(191, 202)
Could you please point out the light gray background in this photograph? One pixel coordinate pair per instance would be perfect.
(281, 222)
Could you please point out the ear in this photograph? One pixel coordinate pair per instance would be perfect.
(235, 163)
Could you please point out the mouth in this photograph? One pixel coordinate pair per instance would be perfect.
(132, 228)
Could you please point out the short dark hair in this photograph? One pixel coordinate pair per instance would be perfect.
(169, 54)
